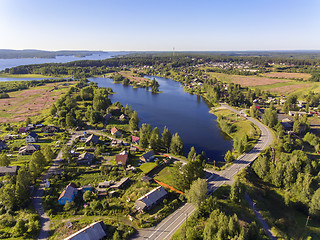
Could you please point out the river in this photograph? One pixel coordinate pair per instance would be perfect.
(180, 111)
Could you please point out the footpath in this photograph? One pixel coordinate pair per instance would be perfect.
(260, 218)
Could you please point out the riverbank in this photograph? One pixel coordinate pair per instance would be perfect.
(236, 127)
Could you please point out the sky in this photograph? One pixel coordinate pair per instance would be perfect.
(150, 25)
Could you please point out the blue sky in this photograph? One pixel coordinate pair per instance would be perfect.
(151, 25)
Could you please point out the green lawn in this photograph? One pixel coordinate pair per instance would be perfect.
(166, 176)
(147, 167)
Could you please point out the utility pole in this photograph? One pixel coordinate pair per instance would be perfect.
(307, 220)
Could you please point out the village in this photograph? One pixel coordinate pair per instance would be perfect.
(103, 172)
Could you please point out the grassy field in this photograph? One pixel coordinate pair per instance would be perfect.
(304, 76)
(33, 102)
(147, 167)
(36, 76)
(277, 86)
(166, 176)
(241, 126)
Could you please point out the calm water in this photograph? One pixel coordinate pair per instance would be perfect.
(181, 112)
(8, 63)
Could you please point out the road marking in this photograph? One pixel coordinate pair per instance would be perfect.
(189, 207)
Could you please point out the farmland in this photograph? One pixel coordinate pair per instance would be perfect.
(304, 76)
(30, 102)
(273, 85)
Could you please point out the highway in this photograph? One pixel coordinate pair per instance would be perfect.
(166, 228)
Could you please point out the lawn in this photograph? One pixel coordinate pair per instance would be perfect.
(166, 176)
(241, 126)
(147, 167)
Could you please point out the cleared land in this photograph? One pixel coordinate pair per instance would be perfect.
(278, 86)
(304, 76)
(30, 102)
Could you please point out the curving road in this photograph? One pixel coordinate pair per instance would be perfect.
(166, 228)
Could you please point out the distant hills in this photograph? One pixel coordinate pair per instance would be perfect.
(30, 53)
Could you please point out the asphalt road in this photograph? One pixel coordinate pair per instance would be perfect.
(166, 228)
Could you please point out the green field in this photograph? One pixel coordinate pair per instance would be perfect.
(166, 176)
(36, 76)
(147, 167)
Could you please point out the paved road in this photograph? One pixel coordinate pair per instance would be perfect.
(37, 194)
(166, 228)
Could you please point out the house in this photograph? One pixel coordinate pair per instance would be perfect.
(149, 200)
(115, 132)
(10, 137)
(23, 130)
(2, 145)
(147, 157)
(31, 126)
(67, 194)
(135, 139)
(85, 159)
(9, 170)
(293, 113)
(50, 129)
(116, 143)
(94, 231)
(133, 149)
(122, 159)
(29, 149)
(94, 139)
(103, 186)
(122, 117)
(107, 117)
(32, 137)
(123, 182)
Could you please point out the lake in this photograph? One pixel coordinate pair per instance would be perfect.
(8, 63)
(180, 111)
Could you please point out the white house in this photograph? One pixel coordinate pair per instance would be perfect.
(32, 138)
